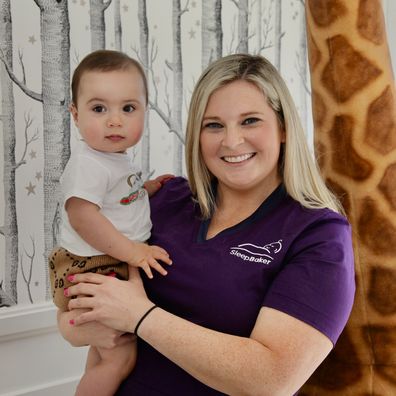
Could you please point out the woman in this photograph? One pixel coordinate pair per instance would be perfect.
(262, 281)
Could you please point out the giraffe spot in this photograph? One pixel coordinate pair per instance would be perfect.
(345, 159)
(382, 290)
(387, 372)
(375, 230)
(381, 123)
(387, 185)
(348, 71)
(370, 22)
(318, 109)
(341, 369)
(341, 194)
(325, 12)
(314, 53)
(383, 344)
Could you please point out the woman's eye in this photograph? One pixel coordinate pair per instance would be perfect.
(99, 109)
(249, 121)
(128, 109)
(213, 125)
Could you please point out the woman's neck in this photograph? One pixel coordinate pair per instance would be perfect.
(234, 206)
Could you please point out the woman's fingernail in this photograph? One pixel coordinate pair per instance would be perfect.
(71, 322)
(66, 291)
(70, 278)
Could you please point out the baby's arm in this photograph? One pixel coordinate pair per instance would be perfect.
(106, 369)
(99, 232)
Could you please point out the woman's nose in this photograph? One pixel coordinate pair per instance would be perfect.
(232, 137)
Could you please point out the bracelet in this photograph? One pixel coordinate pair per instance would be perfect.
(142, 318)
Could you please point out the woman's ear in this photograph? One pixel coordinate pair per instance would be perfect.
(74, 112)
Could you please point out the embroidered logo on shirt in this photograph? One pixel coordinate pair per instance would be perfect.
(135, 182)
(257, 254)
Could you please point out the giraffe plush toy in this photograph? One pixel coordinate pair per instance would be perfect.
(354, 110)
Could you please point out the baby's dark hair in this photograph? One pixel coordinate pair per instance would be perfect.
(104, 61)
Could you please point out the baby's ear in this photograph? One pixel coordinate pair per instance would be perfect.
(74, 112)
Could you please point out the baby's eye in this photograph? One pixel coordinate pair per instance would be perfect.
(249, 121)
(128, 108)
(99, 109)
(213, 125)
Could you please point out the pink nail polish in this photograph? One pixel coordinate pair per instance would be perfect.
(71, 322)
(66, 291)
(70, 278)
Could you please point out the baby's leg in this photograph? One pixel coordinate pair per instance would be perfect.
(103, 376)
(93, 358)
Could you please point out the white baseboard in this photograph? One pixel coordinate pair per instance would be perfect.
(35, 359)
(59, 388)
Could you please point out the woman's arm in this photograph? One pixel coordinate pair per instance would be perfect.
(277, 359)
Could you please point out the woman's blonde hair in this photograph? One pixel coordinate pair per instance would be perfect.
(298, 168)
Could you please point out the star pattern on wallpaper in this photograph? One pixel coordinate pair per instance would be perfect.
(32, 39)
(194, 4)
(198, 23)
(39, 176)
(191, 33)
(33, 154)
(82, 2)
(30, 188)
(125, 8)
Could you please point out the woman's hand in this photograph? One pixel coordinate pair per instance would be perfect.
(93, 333)
(114, 303)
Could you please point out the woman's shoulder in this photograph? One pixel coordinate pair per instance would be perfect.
(302, 214)
(174, 190)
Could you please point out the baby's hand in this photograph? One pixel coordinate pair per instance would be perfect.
(152, 186)
(146, 256)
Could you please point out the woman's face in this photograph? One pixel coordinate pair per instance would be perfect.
(240, 138)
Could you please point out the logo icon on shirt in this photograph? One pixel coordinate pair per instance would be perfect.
(135, 182)
(257, 254)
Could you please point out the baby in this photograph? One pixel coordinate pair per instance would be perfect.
(106, 213)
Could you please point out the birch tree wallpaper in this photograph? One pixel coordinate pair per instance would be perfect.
(42, 41)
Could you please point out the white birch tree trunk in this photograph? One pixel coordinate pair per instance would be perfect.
(97, 23)
(144, 57)
(259, 18)
(303, 70)
(243, 27)
(212, 32)
(8, 295)
(117, 26)
(278, 33)
(176, 114)
(55, 43)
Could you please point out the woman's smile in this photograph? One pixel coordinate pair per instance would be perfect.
(234, 159)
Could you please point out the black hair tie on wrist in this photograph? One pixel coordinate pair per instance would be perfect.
(142, 318)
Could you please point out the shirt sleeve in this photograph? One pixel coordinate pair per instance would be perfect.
(87, 179)
(317, 283)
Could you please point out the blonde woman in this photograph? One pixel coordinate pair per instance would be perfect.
(262, 281)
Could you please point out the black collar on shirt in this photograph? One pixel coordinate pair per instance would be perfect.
(277, 196)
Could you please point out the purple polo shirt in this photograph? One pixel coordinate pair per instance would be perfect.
(296, 260)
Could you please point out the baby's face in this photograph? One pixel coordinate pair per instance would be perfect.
(111, 109)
